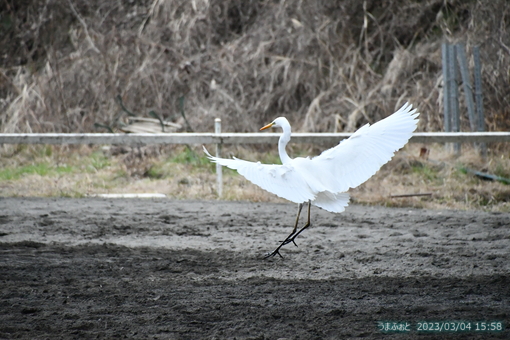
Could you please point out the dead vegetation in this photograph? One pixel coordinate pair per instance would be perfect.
(87, 66)
(328, 65)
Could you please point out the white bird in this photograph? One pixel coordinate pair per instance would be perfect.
(325, 179)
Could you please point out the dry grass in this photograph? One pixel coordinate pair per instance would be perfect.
(442, 176)
(327, 65)
(96, 171)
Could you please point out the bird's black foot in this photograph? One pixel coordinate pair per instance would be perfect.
(289, 240)
(274, 253)
(293, 235)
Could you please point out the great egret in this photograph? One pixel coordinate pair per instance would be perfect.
(324, 180)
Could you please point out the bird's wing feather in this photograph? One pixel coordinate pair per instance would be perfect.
(356, 159)
(281, 180)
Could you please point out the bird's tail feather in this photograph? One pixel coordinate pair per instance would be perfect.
(332, 202)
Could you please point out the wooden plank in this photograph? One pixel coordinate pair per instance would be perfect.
(411, 195)
(154, 121)
(233, 138)
(134, 195)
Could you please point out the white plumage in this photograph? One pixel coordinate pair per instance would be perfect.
(324, 180)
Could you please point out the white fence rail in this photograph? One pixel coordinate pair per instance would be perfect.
(233, 138)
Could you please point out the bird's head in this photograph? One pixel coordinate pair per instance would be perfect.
(278, 122)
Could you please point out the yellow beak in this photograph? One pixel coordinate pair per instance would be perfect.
(266, 127)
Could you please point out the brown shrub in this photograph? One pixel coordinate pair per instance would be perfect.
(327, 65)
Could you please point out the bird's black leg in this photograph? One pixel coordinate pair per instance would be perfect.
(300, 207)
(287, 239)
(292, 236)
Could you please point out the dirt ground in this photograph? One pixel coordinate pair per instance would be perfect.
(166, 269)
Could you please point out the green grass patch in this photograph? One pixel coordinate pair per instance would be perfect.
(502, 171)
(97, 161)
(41, 169)
(426, 172)
(191, 157)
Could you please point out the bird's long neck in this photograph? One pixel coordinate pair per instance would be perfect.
(282, 143)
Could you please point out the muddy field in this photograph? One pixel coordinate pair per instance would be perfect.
(164, 269)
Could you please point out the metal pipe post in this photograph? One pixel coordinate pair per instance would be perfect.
(454, 94)
(466, 82)
(219, 171)
(446, 85)
(478, 96)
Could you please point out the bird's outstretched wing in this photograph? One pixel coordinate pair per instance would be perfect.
(359, 157)
(281, 180)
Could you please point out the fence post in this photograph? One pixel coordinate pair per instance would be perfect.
(219, 172)
(446, 87)
(466, 82)
(479, 98)
(454, 94)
